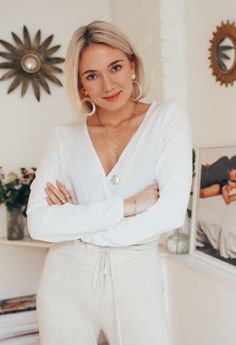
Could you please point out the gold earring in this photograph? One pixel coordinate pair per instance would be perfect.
(88, 100)
(140, 90)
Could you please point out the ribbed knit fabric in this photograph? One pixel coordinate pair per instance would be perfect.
(86, 288)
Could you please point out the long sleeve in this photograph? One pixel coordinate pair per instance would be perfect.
(174, 175)
(69, 221)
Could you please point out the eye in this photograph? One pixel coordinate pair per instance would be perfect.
(91, 76)
(116, 68)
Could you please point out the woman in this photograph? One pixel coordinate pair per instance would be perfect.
(107, 187)
(219, 178)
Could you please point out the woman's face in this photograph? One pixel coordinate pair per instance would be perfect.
(105, 74)
(232, 175)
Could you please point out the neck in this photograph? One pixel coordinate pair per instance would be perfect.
(114, 118)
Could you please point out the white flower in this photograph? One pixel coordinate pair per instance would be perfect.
(10, 177)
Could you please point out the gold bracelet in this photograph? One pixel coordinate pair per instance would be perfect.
(135, 206)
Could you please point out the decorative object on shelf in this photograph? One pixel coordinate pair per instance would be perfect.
(18, 320)
(178, 242)
(223, 53)
(30, 62)
(213, 228)
(15, 224)
(14, 193)
(17, 304)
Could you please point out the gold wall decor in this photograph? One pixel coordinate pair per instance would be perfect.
(223, 53)
(30, 61)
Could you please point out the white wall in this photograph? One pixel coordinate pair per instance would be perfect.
(140, 20)
(157, 28)
(212, 107)
(25, 124)
(201, 303)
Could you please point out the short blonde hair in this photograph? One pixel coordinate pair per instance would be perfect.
(98, 32)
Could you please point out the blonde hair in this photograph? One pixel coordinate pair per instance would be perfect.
(98, 32)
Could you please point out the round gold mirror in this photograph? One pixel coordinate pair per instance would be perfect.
(223, 53)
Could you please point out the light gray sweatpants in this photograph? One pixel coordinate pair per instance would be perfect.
(86, 288)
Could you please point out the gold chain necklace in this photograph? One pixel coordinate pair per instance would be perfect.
(115, 178)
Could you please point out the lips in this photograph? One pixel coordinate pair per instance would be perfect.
(112, 97)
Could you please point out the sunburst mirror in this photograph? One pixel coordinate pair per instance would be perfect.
(223, 53)
(30, 62)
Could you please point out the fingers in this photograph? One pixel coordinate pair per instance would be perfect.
(154, 194)
(50, 203)
(51, 198)
(154, 190)
(151, 192)
(152, 187)
(64, 191)
(156, 185)
(56, 196)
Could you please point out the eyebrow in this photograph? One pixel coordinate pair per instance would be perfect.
(111, 64)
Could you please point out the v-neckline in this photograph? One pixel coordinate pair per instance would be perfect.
(126, 147)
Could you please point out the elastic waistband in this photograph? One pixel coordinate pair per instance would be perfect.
(142, 246)
(88, 252)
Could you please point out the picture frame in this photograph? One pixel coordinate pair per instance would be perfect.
(213, 223)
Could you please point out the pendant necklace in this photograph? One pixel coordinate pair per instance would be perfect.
(115, 179)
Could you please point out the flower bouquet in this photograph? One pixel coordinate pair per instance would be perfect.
(14, 193)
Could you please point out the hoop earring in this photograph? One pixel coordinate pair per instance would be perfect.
(133, 76)
(87, 99)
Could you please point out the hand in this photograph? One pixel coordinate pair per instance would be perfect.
(144, 199)
(58, 195)
(147, 197)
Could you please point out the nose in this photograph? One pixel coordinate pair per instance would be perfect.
(107, 83)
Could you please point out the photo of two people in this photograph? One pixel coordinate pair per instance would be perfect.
(219, 178)
(215, 212)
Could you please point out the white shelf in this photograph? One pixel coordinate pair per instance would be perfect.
(29, 242)
(205, 269)
(26, 242)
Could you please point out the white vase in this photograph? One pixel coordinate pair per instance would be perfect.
(178, 243)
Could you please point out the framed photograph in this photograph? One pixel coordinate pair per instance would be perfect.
(213, 228)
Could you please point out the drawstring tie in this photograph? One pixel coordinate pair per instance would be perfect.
(104, 264)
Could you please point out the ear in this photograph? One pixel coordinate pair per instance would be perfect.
(84, 91)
